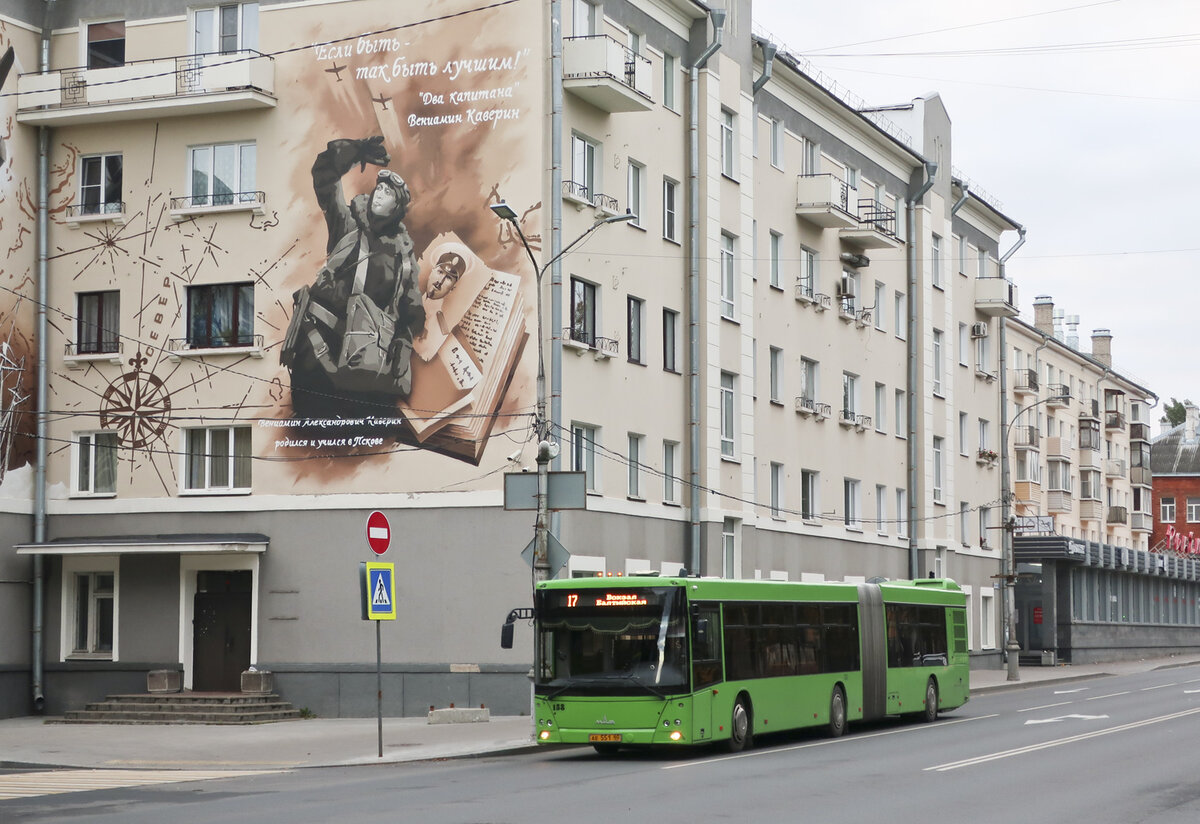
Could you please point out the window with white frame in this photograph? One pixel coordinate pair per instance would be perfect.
(635, 310)
(776, 253)
(90, 598)
(776, 490)
(105, 44)
(776, 374)
(961, 243)
(808, 273)
(100, 184)
(670, 80)
(809, 490)
(981, 263)
(217, 459)
(585, 162)
(939, 468)
(938, 364)
(1193, 510)
(962, 433)
(1089, 482)
(584, 314)
(901, 513)
(852, 503)
(728, 444)
(585, 18)
(880, 300)
(987, 619)
(670, 210)
(220, 315)
(670, 479)
(776, 143)
(881, 519)
(584, 440)
(935, 260)
(225, 29)
(1058, 476)
(670, 340)
(96, 463)
(728, 144)
(901, 414)
(222, 174)
(983, 354)
(849, 396)
(985, 523)
(731, 555)
(1166, 510)
(964, 512)
(901, 315)
(636, 443)
(98, 323)
(985, 434)
(636, 194)
(963, 346)
(881, 404)
(728, 276)
(810, 158)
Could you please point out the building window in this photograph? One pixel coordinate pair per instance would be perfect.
(776, 245)
(901, 414)
(939, 468)
(852, 503)
(985, 435)
(731, 561)
(1166, 510)
(938, 365)
(728, 279)
(635, 313)
(670, 480)
(225, 29)
(727, 143)
(776, 143)
(987, 619)
(849, 396)
(880, 407)
(962, 433)
(776, 490)
(901, 315)
(97, 325)
(637, 191)
(583, 312)
(670, 211)
(635, 465)
(90, 587)
(985, 523)
(584, 156)
(1193, 510)
(962, 344)
(810, 158)
(584, 439)
(584, 19)
(222, 174)
(106, 44)
(881, 523)
(1089, 482)
(96, 463)
(217, 459)
(935, 255)
(1058, 476)
(880, 299)
(100, 184)
(809, 487)
(728, 445)
(808, 273)
(964, 511)
(220, 315)
(776, 376)
(901, 513)
(670, 340)
(670, 80)
(809, 380)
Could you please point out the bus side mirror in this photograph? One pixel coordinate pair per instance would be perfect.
(506, 635)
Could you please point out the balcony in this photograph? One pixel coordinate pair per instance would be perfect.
(824, 200)
(1090, 510)
(875, 227)
(580, 195)
(582, 341)
(605, 73)
(235, 345)
(1028, 493)
(148, 89)
(1114, 469)
(1025, 382)
(1117, 515)
(1139, 432)
(1141, 521)
(1089, 410)
(1089, 458)
(996, 297)
(1058, 501)
(1058, 447)
(805, 406)
(1026, 437)
(804, 289)
(1059, 396)
(1114, 420)
(848, 418)
(1141, 476)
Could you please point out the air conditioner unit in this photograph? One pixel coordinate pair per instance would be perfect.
(845, 288)
(979, 330)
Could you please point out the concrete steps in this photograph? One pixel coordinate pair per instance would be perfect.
(184, 708)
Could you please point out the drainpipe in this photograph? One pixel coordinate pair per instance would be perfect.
(1008, 562)
(768, 51)
(962, 201)
(37, 653)
(910, 218)
(693, 287)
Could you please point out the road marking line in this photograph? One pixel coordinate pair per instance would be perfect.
(1064, 718)
(824, 743)
(1159, 687)
(1046, 706)
(1110, 695)
(996, 756)
(29, 785)
(1068, 692)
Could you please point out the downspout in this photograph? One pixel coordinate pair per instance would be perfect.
(555, 198)
(962, 201)
(1008, 563)
(768, 51)
(910, 220)
(37, 671)
(693, 288)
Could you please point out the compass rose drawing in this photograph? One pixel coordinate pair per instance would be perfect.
(137, 405)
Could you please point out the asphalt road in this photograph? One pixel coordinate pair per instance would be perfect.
(1117, 749)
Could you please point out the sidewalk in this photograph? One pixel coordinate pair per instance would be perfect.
(322, 742)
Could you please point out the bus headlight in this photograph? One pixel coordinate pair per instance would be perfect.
(676, 736)
(544, 735)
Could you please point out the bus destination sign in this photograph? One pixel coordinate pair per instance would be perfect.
(608, 599)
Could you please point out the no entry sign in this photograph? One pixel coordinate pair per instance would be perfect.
(379, 533)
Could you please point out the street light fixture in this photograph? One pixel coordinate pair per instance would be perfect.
(1009, 570)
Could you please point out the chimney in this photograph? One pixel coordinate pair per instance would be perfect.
(1043, 314)
(1191, 423)
(1073, 332)
(1102, 346)
(1058, 316)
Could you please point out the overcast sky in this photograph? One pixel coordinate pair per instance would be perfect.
(1081, 119)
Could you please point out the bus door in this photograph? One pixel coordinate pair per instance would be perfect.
(707, 666)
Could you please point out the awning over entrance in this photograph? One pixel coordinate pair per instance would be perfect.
(179, 544)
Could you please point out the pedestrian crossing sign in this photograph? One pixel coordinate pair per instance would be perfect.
(377, 584)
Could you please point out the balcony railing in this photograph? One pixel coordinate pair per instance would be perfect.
(189, 84)
(1089, 410)
(1141, 476)
(236, 341)
(604, 347)
(85, 348)
(1141, 521)
(876, 227)
(1114, 420)
(1114, 468)
(179, 204)
(109, 209)
(1139, 432)
(607, 74)
(1026, 437)
(804, 288)
(848, 417)
(1025, 381)
(1059, 395)
(1117, 515)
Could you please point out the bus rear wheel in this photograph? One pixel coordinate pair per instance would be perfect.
(930, 712)
(741, 736)
(837, 713)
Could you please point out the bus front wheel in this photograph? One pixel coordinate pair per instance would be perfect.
(741, 736)
(837, 713)
(931, 702)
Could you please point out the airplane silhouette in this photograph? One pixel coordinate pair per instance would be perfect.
(336, 71)
(382, 100)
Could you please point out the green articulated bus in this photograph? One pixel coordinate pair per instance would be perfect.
(638, 661)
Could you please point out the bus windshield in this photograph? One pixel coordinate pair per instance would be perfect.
(612, 641)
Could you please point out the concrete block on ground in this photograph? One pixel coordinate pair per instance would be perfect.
(457, 715)
(258, 682)
(164, 680)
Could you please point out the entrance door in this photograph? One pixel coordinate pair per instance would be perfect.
(221, 630)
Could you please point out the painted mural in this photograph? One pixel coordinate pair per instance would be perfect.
(366, 311)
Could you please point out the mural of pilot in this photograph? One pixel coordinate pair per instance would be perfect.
(351, 331)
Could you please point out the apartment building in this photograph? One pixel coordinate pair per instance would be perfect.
(784, 360)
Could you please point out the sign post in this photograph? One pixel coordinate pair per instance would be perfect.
(377, 587)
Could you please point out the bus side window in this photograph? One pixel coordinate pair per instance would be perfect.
(706, 646)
